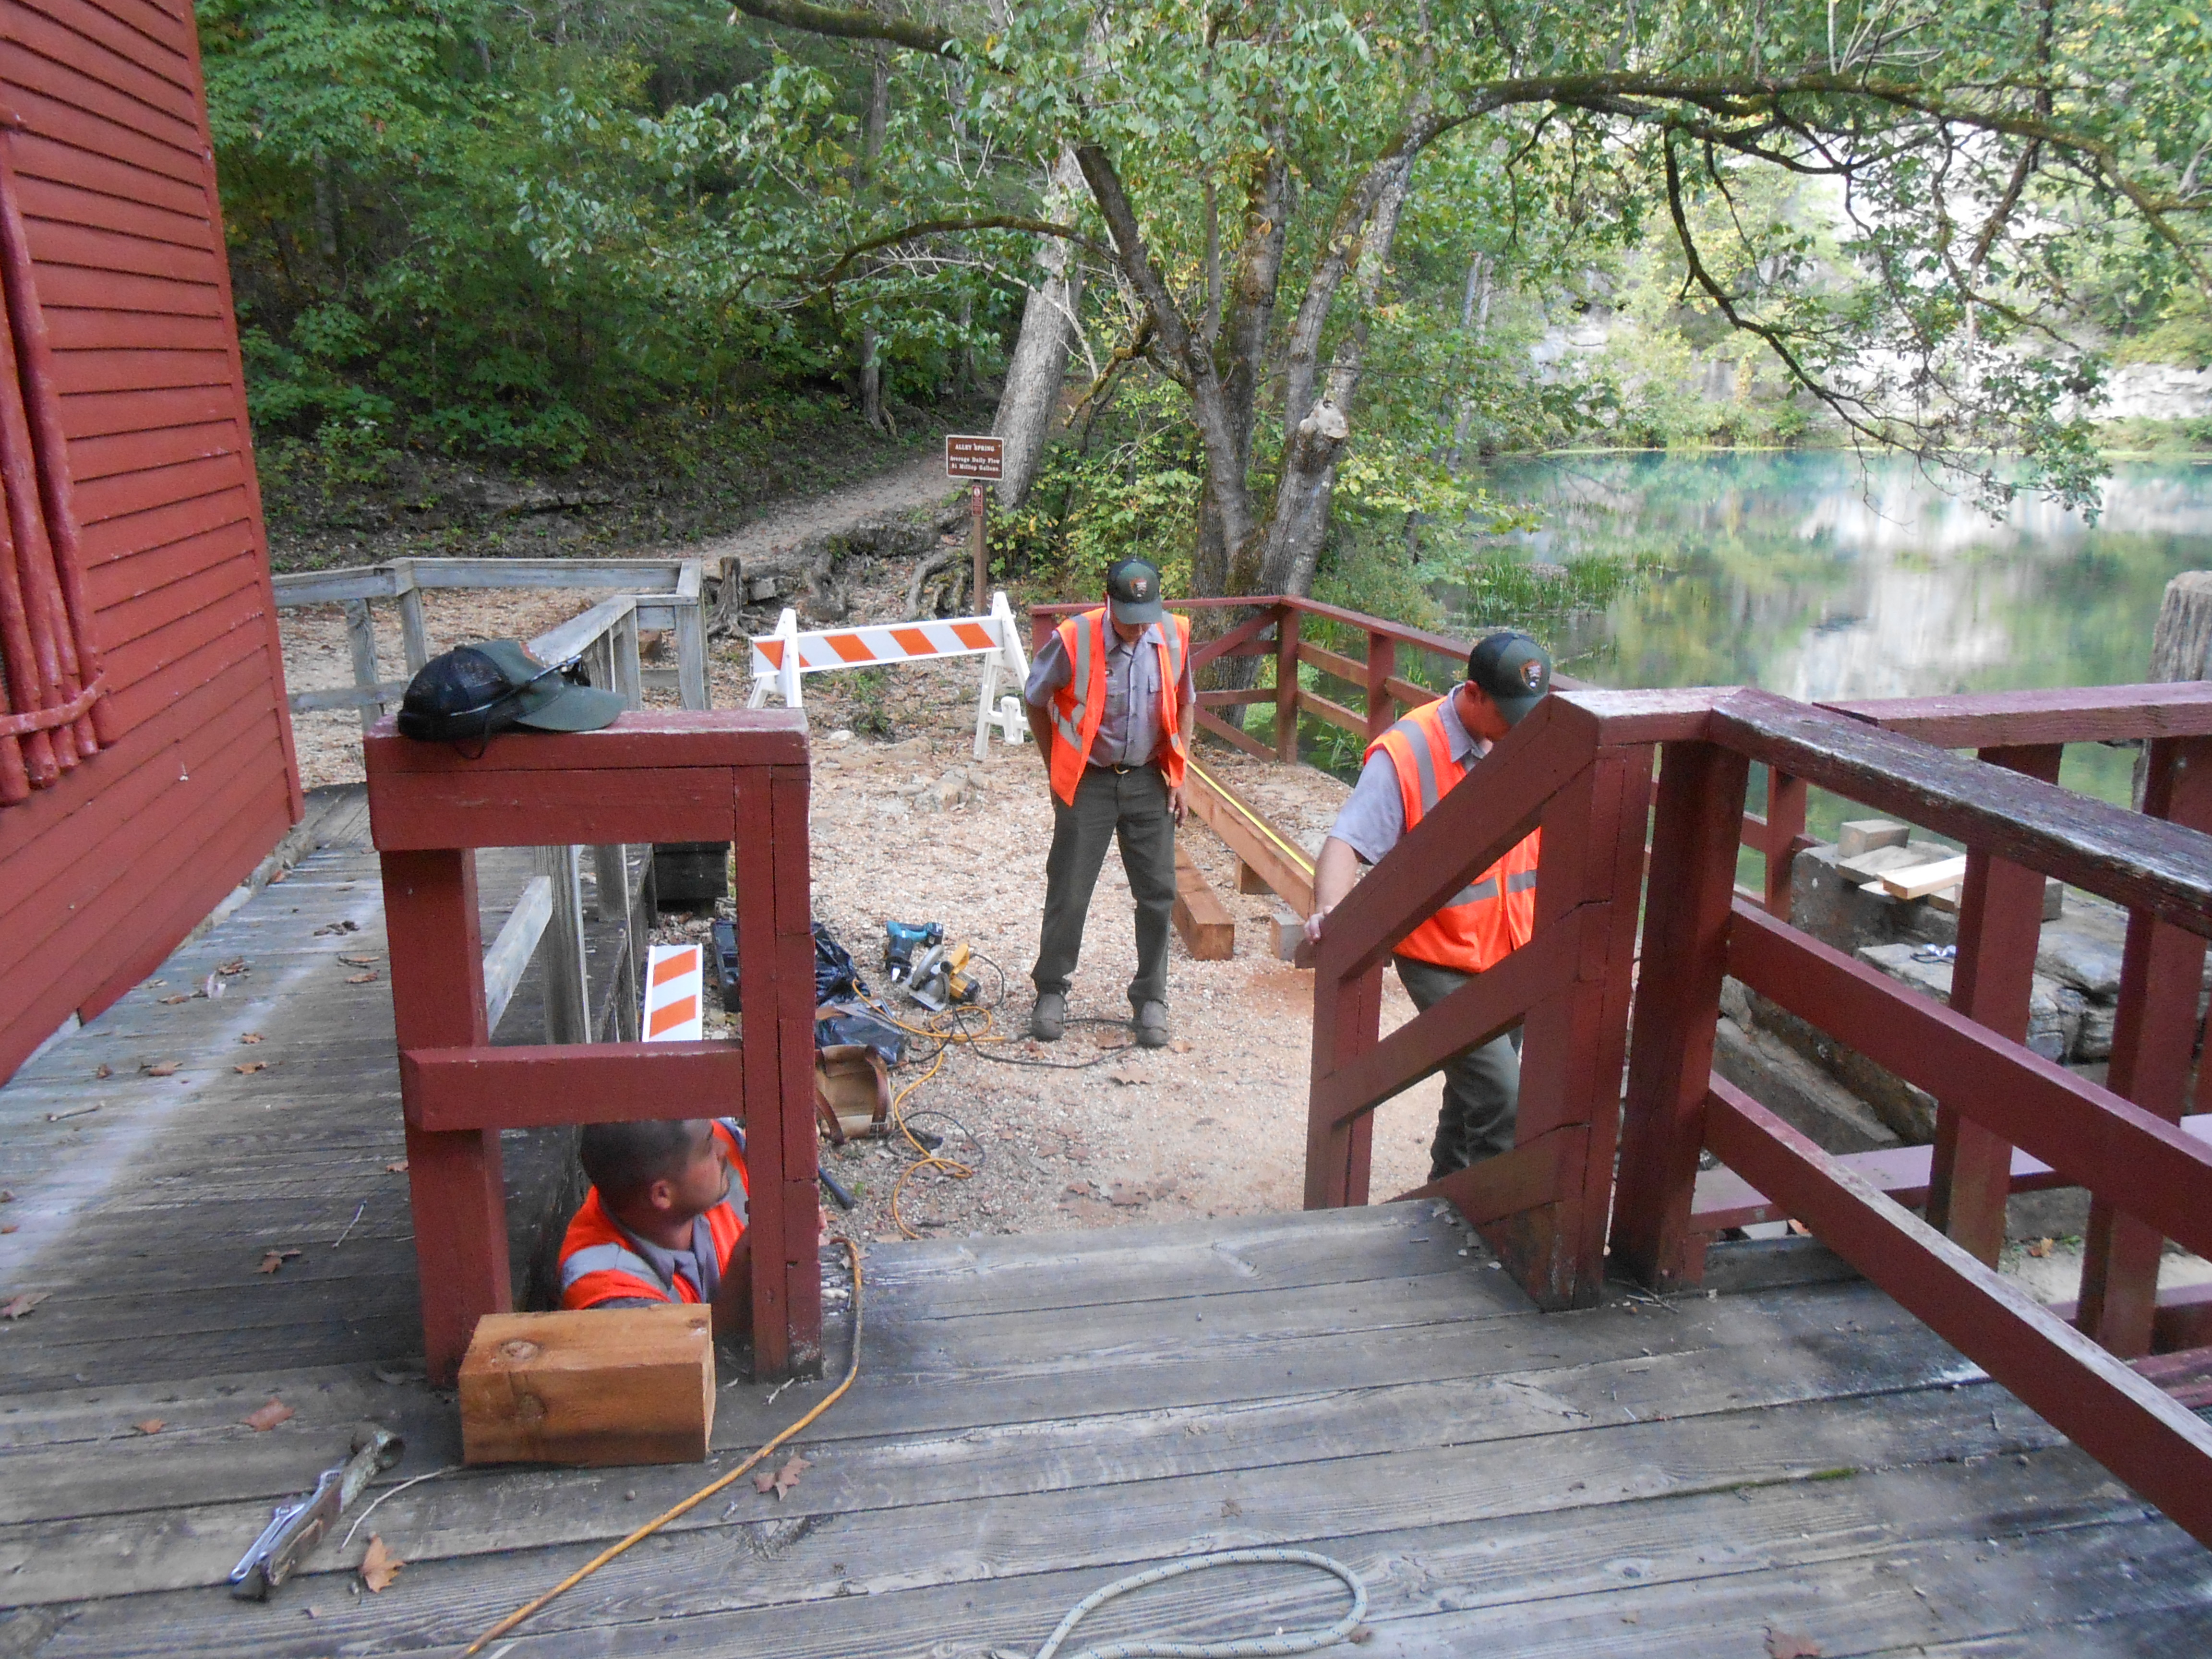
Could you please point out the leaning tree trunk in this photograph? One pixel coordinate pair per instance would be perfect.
(1030, 398)
(871, 148)
(1314, 446)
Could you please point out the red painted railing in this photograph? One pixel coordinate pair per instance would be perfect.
(1582, 767)
(650, 776)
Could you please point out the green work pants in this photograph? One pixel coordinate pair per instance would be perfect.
(1132, 806)
(1482, 1084)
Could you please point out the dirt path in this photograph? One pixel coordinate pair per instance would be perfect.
(918, 483)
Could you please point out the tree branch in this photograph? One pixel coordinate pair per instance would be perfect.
(855, 25)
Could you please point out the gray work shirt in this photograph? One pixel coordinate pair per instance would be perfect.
(1373, 819)
(1129, 729)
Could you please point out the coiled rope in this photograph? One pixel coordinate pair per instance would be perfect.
(1254, 1647)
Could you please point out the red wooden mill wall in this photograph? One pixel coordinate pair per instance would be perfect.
(103, 873)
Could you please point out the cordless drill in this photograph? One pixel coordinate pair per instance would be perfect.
(901, 939)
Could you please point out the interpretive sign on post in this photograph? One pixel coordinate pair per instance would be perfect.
(974, 457)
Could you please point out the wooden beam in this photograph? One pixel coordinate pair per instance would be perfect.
(507, 960)
(1208, 931)
(1278, 860)
(1335, 713)
(590, 1387)
(487, 1088)
(1213, 726)
(2090, 714)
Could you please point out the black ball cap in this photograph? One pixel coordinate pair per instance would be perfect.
(475, 691)
(1514, 670)
(1133, 592)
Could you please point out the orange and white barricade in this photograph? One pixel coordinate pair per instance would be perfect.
(780, 659)
(675, 995)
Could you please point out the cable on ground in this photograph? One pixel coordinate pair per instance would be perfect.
(1255, 1647)
(853, 1370)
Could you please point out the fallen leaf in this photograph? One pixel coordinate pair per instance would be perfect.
(1129, 1079)
(282, 875)
(162, 1068)
(1230, 1508)
(379, 1566)
(171, 1002)
(23, 1304)
(2041, 1247)
(362, 962)
(268, 1417)
(1784, 1644)
(252, 1066)
(7, 1226)
(251, 1036)
(399, 1168)
(339, 927)
(7, 1195)
(360, 979)
(151, 1425)
(236, 965)
(271, 1260)
(103, 1070)
(1360, 1637)
(783, 1479)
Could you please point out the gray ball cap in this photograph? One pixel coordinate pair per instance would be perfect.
(1514, 670)
(1132, 592)
(548, 699)
(476, 691)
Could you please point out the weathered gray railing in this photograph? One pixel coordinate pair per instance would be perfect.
(655, 594)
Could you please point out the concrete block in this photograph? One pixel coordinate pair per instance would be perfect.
(1864, 835)
(1287, 935)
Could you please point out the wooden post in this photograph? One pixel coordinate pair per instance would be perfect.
(628, 673)
(1286, 682)
(360, 636)
(1348, 1020)
(1785, 822)
(979, 550)
(567, 990)
(776, 976)
(2000, 925)
(414, 634)
(1591, 876)
(1382, 662)
(692, 688)
(1678, 994)
(453, 1177)
(2153, 1034)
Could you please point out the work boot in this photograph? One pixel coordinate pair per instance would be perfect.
(1152, 1025)
(1048, 1019)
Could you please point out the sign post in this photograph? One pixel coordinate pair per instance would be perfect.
(978, 457)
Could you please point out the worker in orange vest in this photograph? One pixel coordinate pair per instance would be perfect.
(665, 1220)
(1408, 769)
(1113, 708)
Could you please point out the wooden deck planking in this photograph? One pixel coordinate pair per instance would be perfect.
(1036, 1415)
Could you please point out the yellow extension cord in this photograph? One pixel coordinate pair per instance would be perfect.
(697, 1497)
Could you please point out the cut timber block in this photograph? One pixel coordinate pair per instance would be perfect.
(1862, 836)
(1209, 931)
(1249, 880)
(1924, 879)
(590, 1386)
(1287, 932)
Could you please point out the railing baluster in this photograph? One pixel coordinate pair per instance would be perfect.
(361, 639)
(2000, 925)
(1348, 1023)
(1694, 839)
(2153, 1034)
(1286, 682)
(1382, 664)
(1785, 823)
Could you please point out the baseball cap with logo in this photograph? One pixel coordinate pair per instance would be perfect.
(1133, 589)
(476, 691)
(1514, 670)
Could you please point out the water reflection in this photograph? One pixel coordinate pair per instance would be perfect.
(1815, 576)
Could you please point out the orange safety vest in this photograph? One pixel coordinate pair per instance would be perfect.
(1080, 705)
(598, 1262)
(1494, 916)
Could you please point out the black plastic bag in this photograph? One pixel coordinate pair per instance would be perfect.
(852, 1021)
(834, 973)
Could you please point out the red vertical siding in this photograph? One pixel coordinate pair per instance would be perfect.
(102, 874)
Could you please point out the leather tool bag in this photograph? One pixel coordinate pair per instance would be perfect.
(852, 1092)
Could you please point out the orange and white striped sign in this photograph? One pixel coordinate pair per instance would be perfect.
(675, 985)
(780, 659)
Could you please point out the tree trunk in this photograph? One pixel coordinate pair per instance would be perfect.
(1242, 348)
(1316, 445)
(1030, 398)
(872, 147)
(1473, 313)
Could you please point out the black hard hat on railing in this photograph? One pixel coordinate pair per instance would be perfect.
(476, 691)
